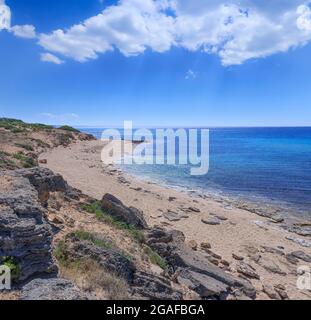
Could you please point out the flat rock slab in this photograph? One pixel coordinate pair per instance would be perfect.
(213, 221)
(52, 289)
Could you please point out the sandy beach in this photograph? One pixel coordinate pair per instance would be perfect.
(233, 233)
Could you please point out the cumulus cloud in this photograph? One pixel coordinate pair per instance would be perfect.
(25, 31)
(48, 57)
(234, 30)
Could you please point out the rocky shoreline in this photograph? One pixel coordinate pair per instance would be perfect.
(76, 229)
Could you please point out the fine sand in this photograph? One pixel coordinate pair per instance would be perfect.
(242, 233)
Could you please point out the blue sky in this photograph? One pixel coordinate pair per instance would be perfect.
(164, 62)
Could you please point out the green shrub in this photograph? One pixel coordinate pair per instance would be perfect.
(155, 258)
(68, 128)
(25, 146)
(27, 162)
(95, 208)
(92, 238)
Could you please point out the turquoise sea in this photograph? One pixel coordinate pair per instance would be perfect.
(270, 165)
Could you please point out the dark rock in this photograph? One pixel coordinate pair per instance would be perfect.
(180, 257)
(301, 256)
(193, 245)
(205, 246)
(237, 257)
(273, 250)
(213, 221)
(45, 182)
(193, 209)
(290, 258)
(129, 215)
(273, 268)
(270, 292)
(154, 287)
(247, 270)
(25, 234)
(206, 286)
(52, 289)
(110, 259)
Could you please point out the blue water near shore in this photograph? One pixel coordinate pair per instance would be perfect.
(271, 165)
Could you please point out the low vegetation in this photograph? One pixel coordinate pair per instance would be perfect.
(17, 126)
(87, 236)
(88, 274)
(155, 258)
(95, 208)
(26, 162)
(25, 146)
(68, 128)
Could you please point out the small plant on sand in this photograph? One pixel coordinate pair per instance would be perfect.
(95, 208)
(155, 258)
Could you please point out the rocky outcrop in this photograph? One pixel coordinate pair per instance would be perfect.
(109, 259)
(25, 235)
(46, 182)
(52, 289)
(154, 287)
(194, 270)
(117, 209)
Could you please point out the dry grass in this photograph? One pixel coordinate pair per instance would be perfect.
(91, 277)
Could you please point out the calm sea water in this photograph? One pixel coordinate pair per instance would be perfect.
(257, 164)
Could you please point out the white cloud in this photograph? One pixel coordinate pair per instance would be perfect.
(190, 75)
(48, 57)
(235, 30)
(25, 31)
(5, 16)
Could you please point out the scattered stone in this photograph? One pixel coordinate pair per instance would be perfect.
(225, 263)
(301, 255)
(43, 161)
(193, 245)
(129, 215)
(301, 231)
(270, 292)
(136, 189)
(193, 209)
(171, 199)
(273, 250)
(175, 216)
(52, 289)
(301, 242)
(213, 260)
(247, 270)
(213, 221)
(290, 258)
(219, 217)
(274, 269)
(180, 257)
(205, 246)
(281, 290)
(237, 257)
